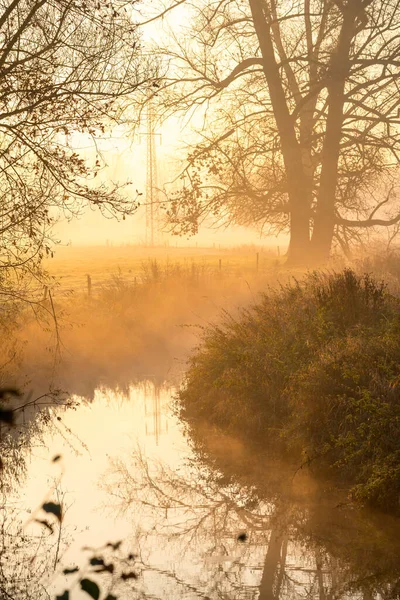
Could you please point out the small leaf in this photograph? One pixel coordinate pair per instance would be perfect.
(242, 537)
(71, 570)
(111, 597)
(64, 596)
(96, 561)
(129, 575)
(53, 508)
(56, 458)
(114, 546)
(106, 568)
(45, 524)
(102, 566)
(91, 588)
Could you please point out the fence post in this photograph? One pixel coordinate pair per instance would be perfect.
(278, 250)
(44, 293)
(89, 285)
(220, 264)
(257, 260)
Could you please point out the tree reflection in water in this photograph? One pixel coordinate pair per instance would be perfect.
(221, 522)
(189, 530)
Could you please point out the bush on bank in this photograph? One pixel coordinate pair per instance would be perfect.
(314, 370)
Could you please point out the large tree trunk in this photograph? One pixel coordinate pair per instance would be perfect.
(299, 198)
(324, 221)
(272, 563)
(299, 245)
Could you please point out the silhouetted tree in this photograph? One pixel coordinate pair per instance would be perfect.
(67, 67)
(299, 107)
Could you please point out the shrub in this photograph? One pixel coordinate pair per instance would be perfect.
(312, 369)
(346, 409)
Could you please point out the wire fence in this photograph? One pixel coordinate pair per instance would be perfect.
(152, 271)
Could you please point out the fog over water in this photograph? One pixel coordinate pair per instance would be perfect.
(199, 513)
(203, 515)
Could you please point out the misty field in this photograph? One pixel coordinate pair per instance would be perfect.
(143, 313)
(71, 264)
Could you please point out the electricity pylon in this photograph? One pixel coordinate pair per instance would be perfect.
(152, 190)
(155, 412)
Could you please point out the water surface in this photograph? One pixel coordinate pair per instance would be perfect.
(210, 520)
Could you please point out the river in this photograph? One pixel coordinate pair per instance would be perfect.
(177, 519)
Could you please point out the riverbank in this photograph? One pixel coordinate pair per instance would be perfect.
(222, 506)
(133, 320)
(312, 372)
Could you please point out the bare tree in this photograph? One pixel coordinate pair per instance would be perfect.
(299, 105)
(67, 67)
(200, 516)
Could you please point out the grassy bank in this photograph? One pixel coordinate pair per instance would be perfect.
(313, 369)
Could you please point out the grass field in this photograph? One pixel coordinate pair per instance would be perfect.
(145, 313)
(72, 264)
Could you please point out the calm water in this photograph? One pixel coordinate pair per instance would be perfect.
(217, 523)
